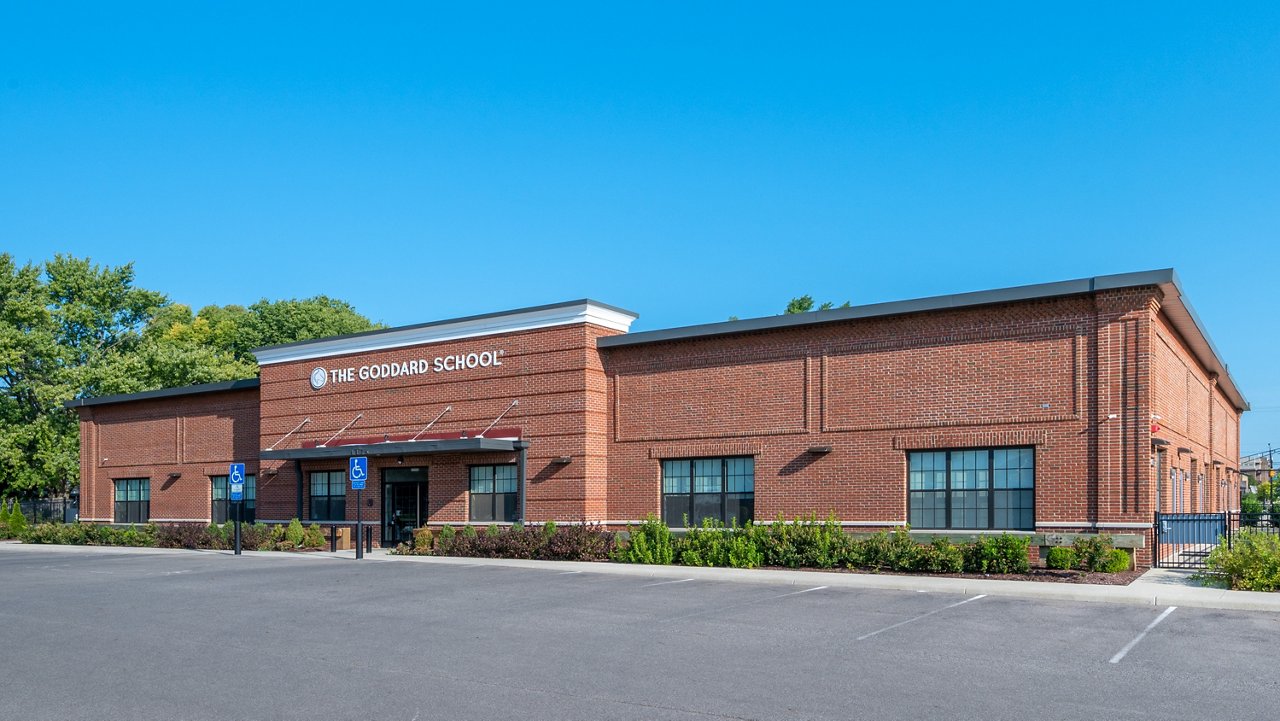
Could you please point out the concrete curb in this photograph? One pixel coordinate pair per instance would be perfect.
(1136, 593)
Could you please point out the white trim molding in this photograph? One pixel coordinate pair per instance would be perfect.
(585, 311)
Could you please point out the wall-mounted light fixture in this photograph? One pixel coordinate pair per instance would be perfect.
(820, 450)
(399, 460)
(174, 475)
(562, 460)
(270, 471)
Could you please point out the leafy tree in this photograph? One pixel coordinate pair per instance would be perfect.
(804, 304)
(72, 329)
(59, 323)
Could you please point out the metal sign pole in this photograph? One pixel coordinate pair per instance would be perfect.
(359, 528)
(239, 518)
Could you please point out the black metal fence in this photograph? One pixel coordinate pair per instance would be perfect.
(51, 510)
(1184, 540)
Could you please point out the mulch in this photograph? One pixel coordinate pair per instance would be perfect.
(1035, 574)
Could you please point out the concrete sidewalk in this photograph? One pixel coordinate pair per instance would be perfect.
(1157, 587)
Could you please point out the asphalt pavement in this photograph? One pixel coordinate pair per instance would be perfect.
(110, 634)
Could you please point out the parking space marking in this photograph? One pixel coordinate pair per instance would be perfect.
(1129, 646)
(570, 573)
(663, 583)
(721, 609)
(917, 618)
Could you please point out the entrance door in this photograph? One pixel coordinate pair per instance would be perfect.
(404, 503)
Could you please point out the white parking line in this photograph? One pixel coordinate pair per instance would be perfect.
(1129, 646)
(568, 573)
(917, 618)
(663, 583)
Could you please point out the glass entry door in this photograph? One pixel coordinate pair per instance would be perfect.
(404, 503)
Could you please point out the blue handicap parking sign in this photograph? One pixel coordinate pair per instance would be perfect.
(358, 471)
(235, 478)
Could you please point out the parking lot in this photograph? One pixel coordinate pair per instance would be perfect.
(97, 634)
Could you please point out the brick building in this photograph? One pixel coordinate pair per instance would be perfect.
(1080, 406)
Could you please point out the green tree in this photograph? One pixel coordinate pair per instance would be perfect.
(71, 329)
(804, 304)
(60, 322)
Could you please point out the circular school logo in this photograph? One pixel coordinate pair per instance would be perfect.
(319, 377)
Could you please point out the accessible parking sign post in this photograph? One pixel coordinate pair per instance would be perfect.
(235, 481)
(358, 472)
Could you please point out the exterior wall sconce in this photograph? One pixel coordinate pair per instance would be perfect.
(174, 475)
(562, 460)
(820, 450)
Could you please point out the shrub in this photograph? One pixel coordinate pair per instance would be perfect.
(549, 529)
(16, 522)
(895, 551)
(1061, 558)
(998, 554)
(469, 532)
(313, 537)
(650, 542)
(294, 533)
(447, 533)
(941, 556)
(258, 536)
(1091, 551)
(1251, 563)
(1116, 561)
(804, 543)
(186, 536)
(582, 542)
(4, 518)
(423, 539)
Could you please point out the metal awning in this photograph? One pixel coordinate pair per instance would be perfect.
(399, 448)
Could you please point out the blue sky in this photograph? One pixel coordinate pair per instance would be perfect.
(688, 161)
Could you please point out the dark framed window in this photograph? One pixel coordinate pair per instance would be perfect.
(494, 492)
(224, 510)
(133, 500)
(720, 488)
(977, 488)
(328, 496)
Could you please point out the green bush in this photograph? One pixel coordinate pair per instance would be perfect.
(294, 533)
(1091, 551)
(1005, 553)
(941, 556)
(895, 551)
(1250, 504)
(650, 543)
(1251, 563)
(804, 542)
(469, 532)
(1061, 558)
(16, 522)
(4, 518)
(313, 537)
(549, 529)
(447, 534)
(1116, 561)
(715, 545)
(492, 531)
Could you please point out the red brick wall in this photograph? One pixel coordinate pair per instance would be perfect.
(554, 372)
(1041, 373)
(196, 436)
(1078, 378)
(1194, 415)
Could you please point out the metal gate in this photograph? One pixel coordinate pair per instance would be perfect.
(1184, 540)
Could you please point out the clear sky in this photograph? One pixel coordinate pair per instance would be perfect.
(688, 161)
